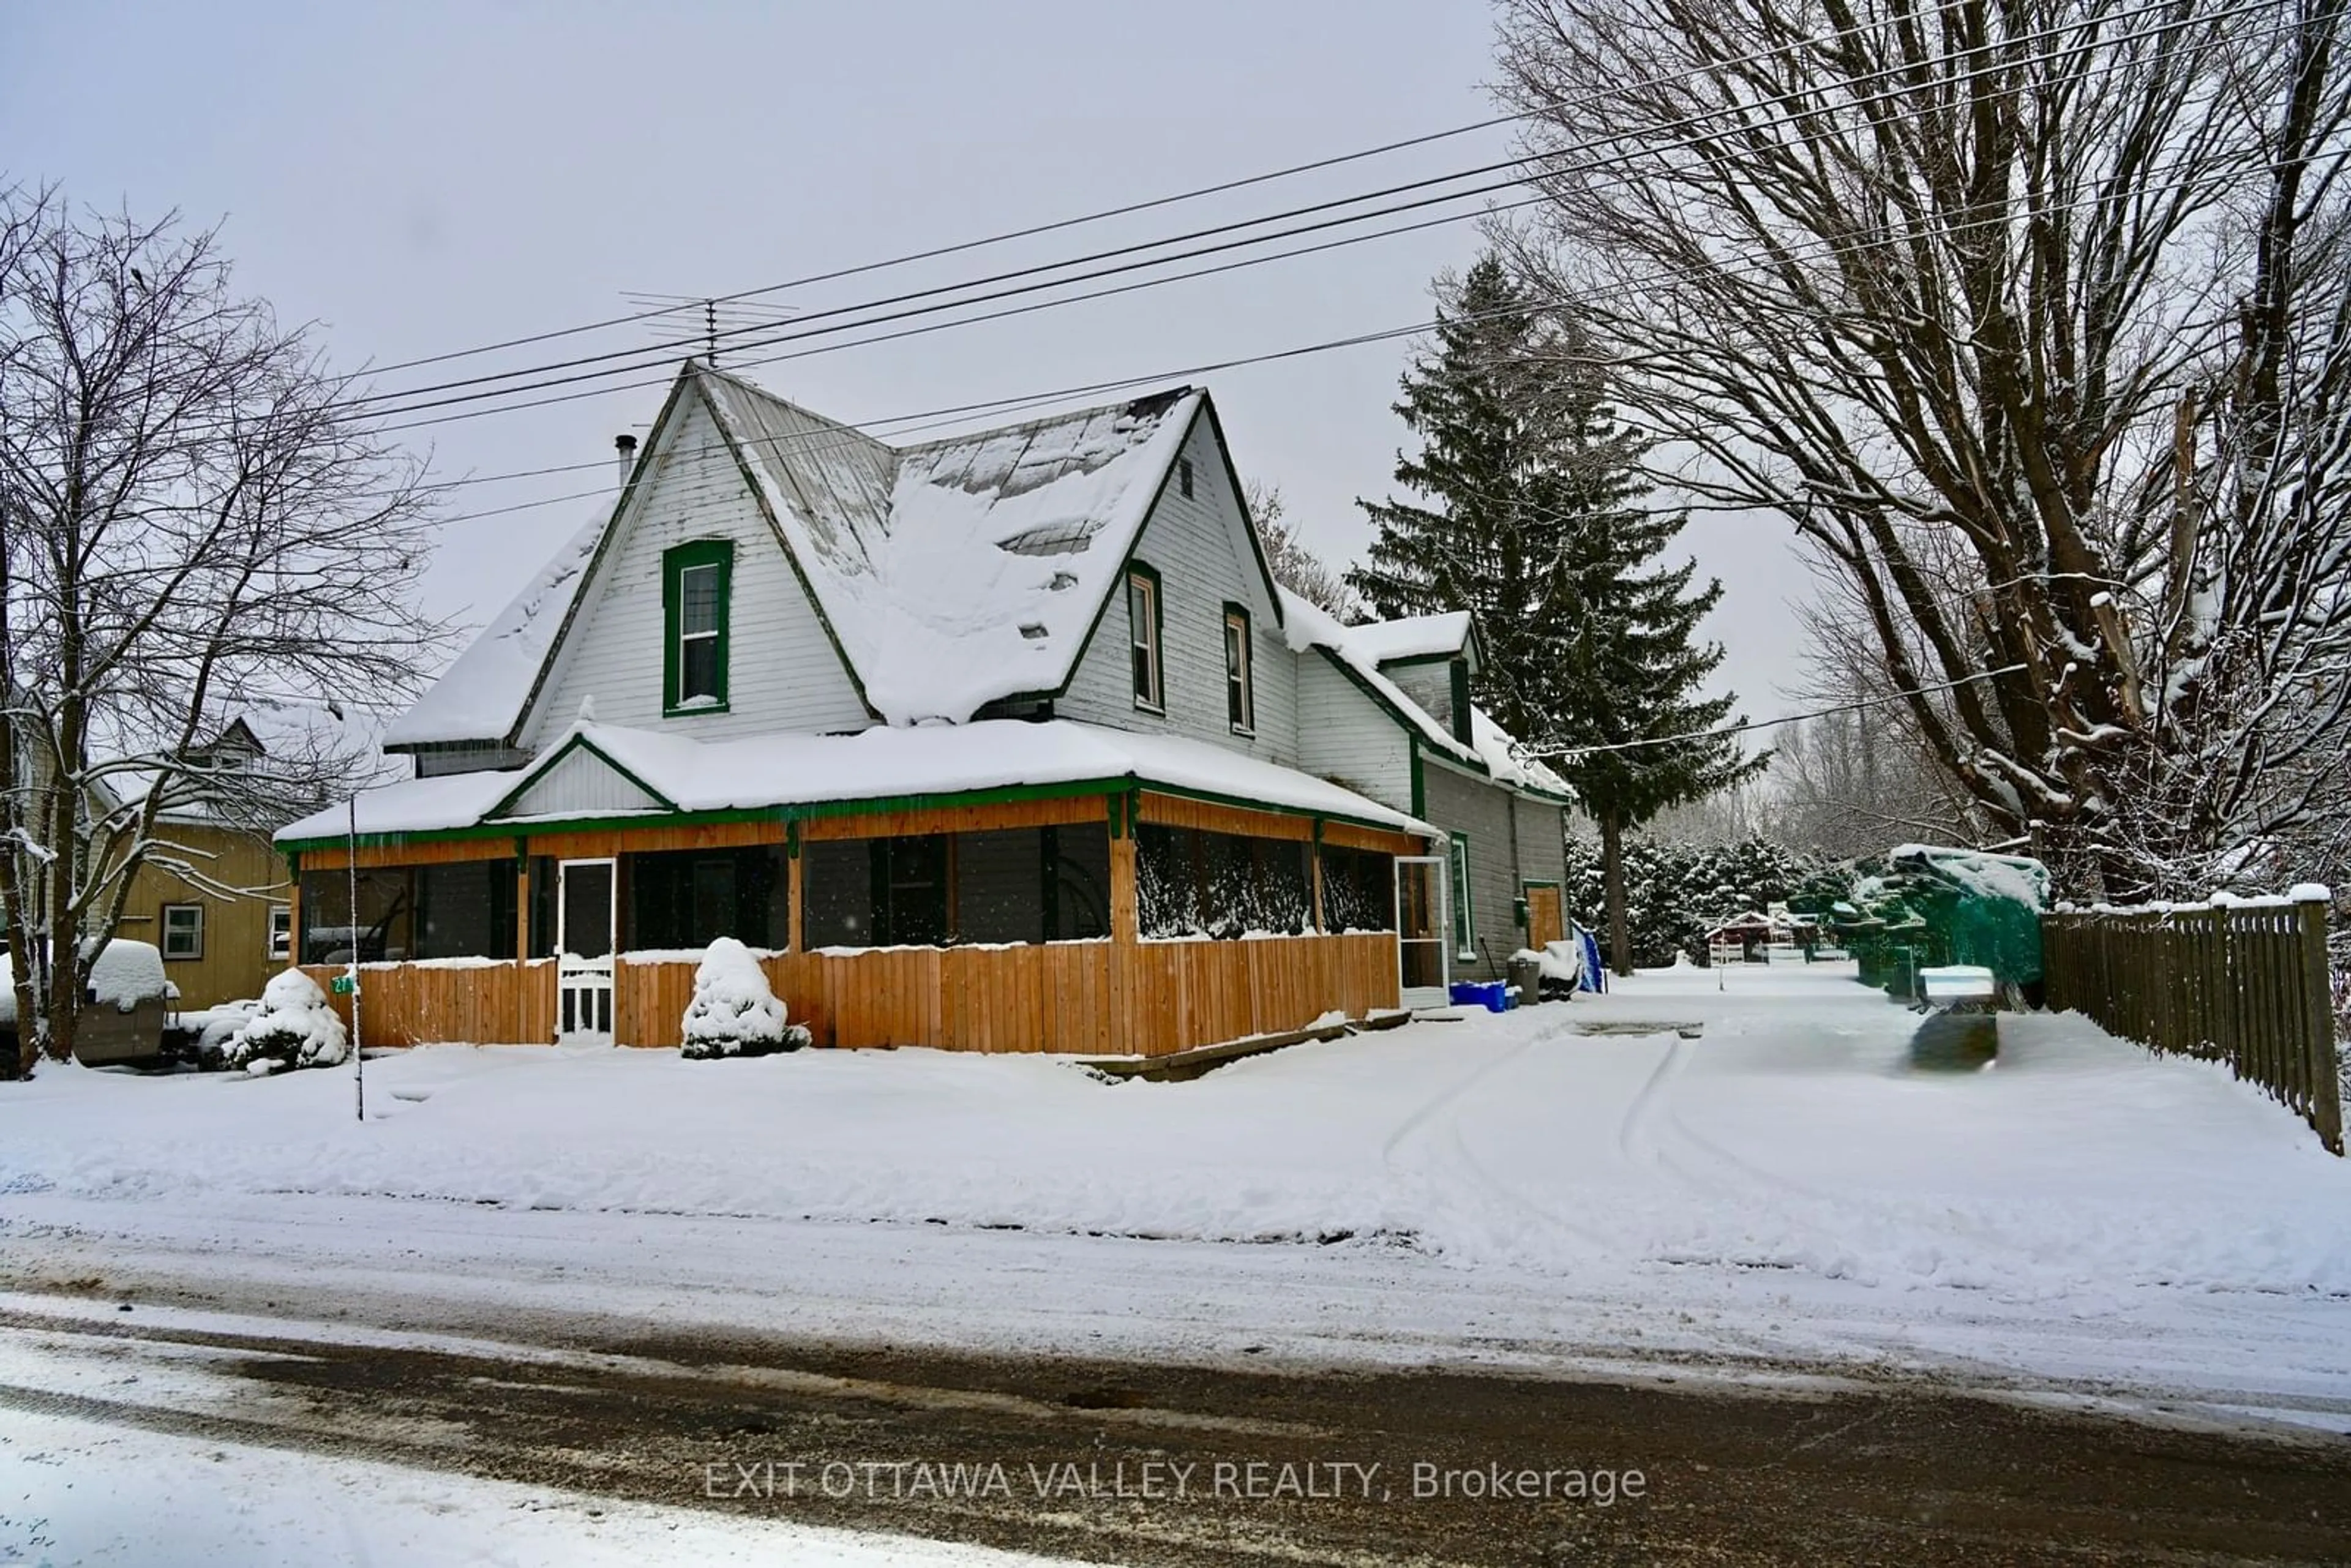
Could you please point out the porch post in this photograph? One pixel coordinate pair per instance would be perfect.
(1125, 926)
(1314, 859)
(794, 936)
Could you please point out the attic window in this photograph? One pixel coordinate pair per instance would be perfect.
(696, 580)
(1143, 636)
(1184, 476)
(1240, 700)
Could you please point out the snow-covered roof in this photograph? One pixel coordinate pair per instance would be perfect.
(961, 570)
(1413, 637)
(756, 773)
(1492, 748)
(480, 696)
(1505, 759)
(954, 572)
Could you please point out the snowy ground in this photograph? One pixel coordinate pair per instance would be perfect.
(76, 1491)
(1768, 1185)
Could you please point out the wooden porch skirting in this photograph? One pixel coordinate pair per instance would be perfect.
(1096, 998)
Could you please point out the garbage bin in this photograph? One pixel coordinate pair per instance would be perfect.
(1526, 979)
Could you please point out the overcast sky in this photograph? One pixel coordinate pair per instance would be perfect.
(421, 177)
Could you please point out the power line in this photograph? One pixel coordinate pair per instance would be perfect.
(1197, 192)
(1547, 753)
(956, 413)
(638, 359)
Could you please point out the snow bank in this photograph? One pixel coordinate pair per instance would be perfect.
(295, 1027)
(734, 1012)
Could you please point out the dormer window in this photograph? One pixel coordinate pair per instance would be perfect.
(1143, 635)
(1240, 699)
(1184, 476)
(695, 580)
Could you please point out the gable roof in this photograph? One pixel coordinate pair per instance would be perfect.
(950, 573)
(1492, 749)
(481, 695)
(963, 571)
(1439, 636)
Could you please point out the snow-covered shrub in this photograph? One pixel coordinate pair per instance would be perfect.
(295, 1027)
(734, 1012)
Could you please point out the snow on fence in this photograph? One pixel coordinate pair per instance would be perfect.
(2245, 982)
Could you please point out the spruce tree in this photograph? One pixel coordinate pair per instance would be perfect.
(1536, 523)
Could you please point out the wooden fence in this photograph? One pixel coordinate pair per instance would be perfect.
(1084, 997)
(2243, 983)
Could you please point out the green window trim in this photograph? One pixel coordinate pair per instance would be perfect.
(1456, 868)
(1240, 669)
(1139, 575)
(676, 562)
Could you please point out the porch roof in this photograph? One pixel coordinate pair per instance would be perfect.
(667, 775)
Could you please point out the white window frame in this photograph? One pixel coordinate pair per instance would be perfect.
(1143, 637)
(164, 932)
(687, 638)
(281, 932)
(1240, 671)
(1463, 912)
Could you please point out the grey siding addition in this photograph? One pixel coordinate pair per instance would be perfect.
(1195, 545)
(1543, 840)
(1463, 803)
(783, 672)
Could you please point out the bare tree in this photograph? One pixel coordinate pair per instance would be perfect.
(194, 522)
(2034, 320)
(1295, 566)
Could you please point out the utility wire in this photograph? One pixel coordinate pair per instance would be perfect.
(1197, 192)
(930, 419)
(637, 356)
(1547, 753)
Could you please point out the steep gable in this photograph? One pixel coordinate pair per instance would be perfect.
(784, 670)
(1203, 549)
(973, 574)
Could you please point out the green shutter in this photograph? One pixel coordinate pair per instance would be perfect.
(675, 562)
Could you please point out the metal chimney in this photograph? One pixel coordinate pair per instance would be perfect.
(624, 449)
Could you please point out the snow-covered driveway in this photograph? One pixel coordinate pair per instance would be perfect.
(1749, 1176)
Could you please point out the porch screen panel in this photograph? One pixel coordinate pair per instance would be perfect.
(542, 907)
(1223, 885)
(836, 887)
(465, 911)
(384, 926)
(910, 890)
(1078, 864)
(1358, 890)
(1000, 887)
(686, 898)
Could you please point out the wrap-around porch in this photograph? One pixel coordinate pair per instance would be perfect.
(1097, 921)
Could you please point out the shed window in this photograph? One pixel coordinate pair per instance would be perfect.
(1464, 934)
(281, 932)
(1143, 633)
(183, 930)
(694, 593)
(1240, 699)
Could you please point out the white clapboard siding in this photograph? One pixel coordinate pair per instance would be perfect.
(1345, 737)
(783, 672)
(581, 783)
(1199, 548)
(1543, 840)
